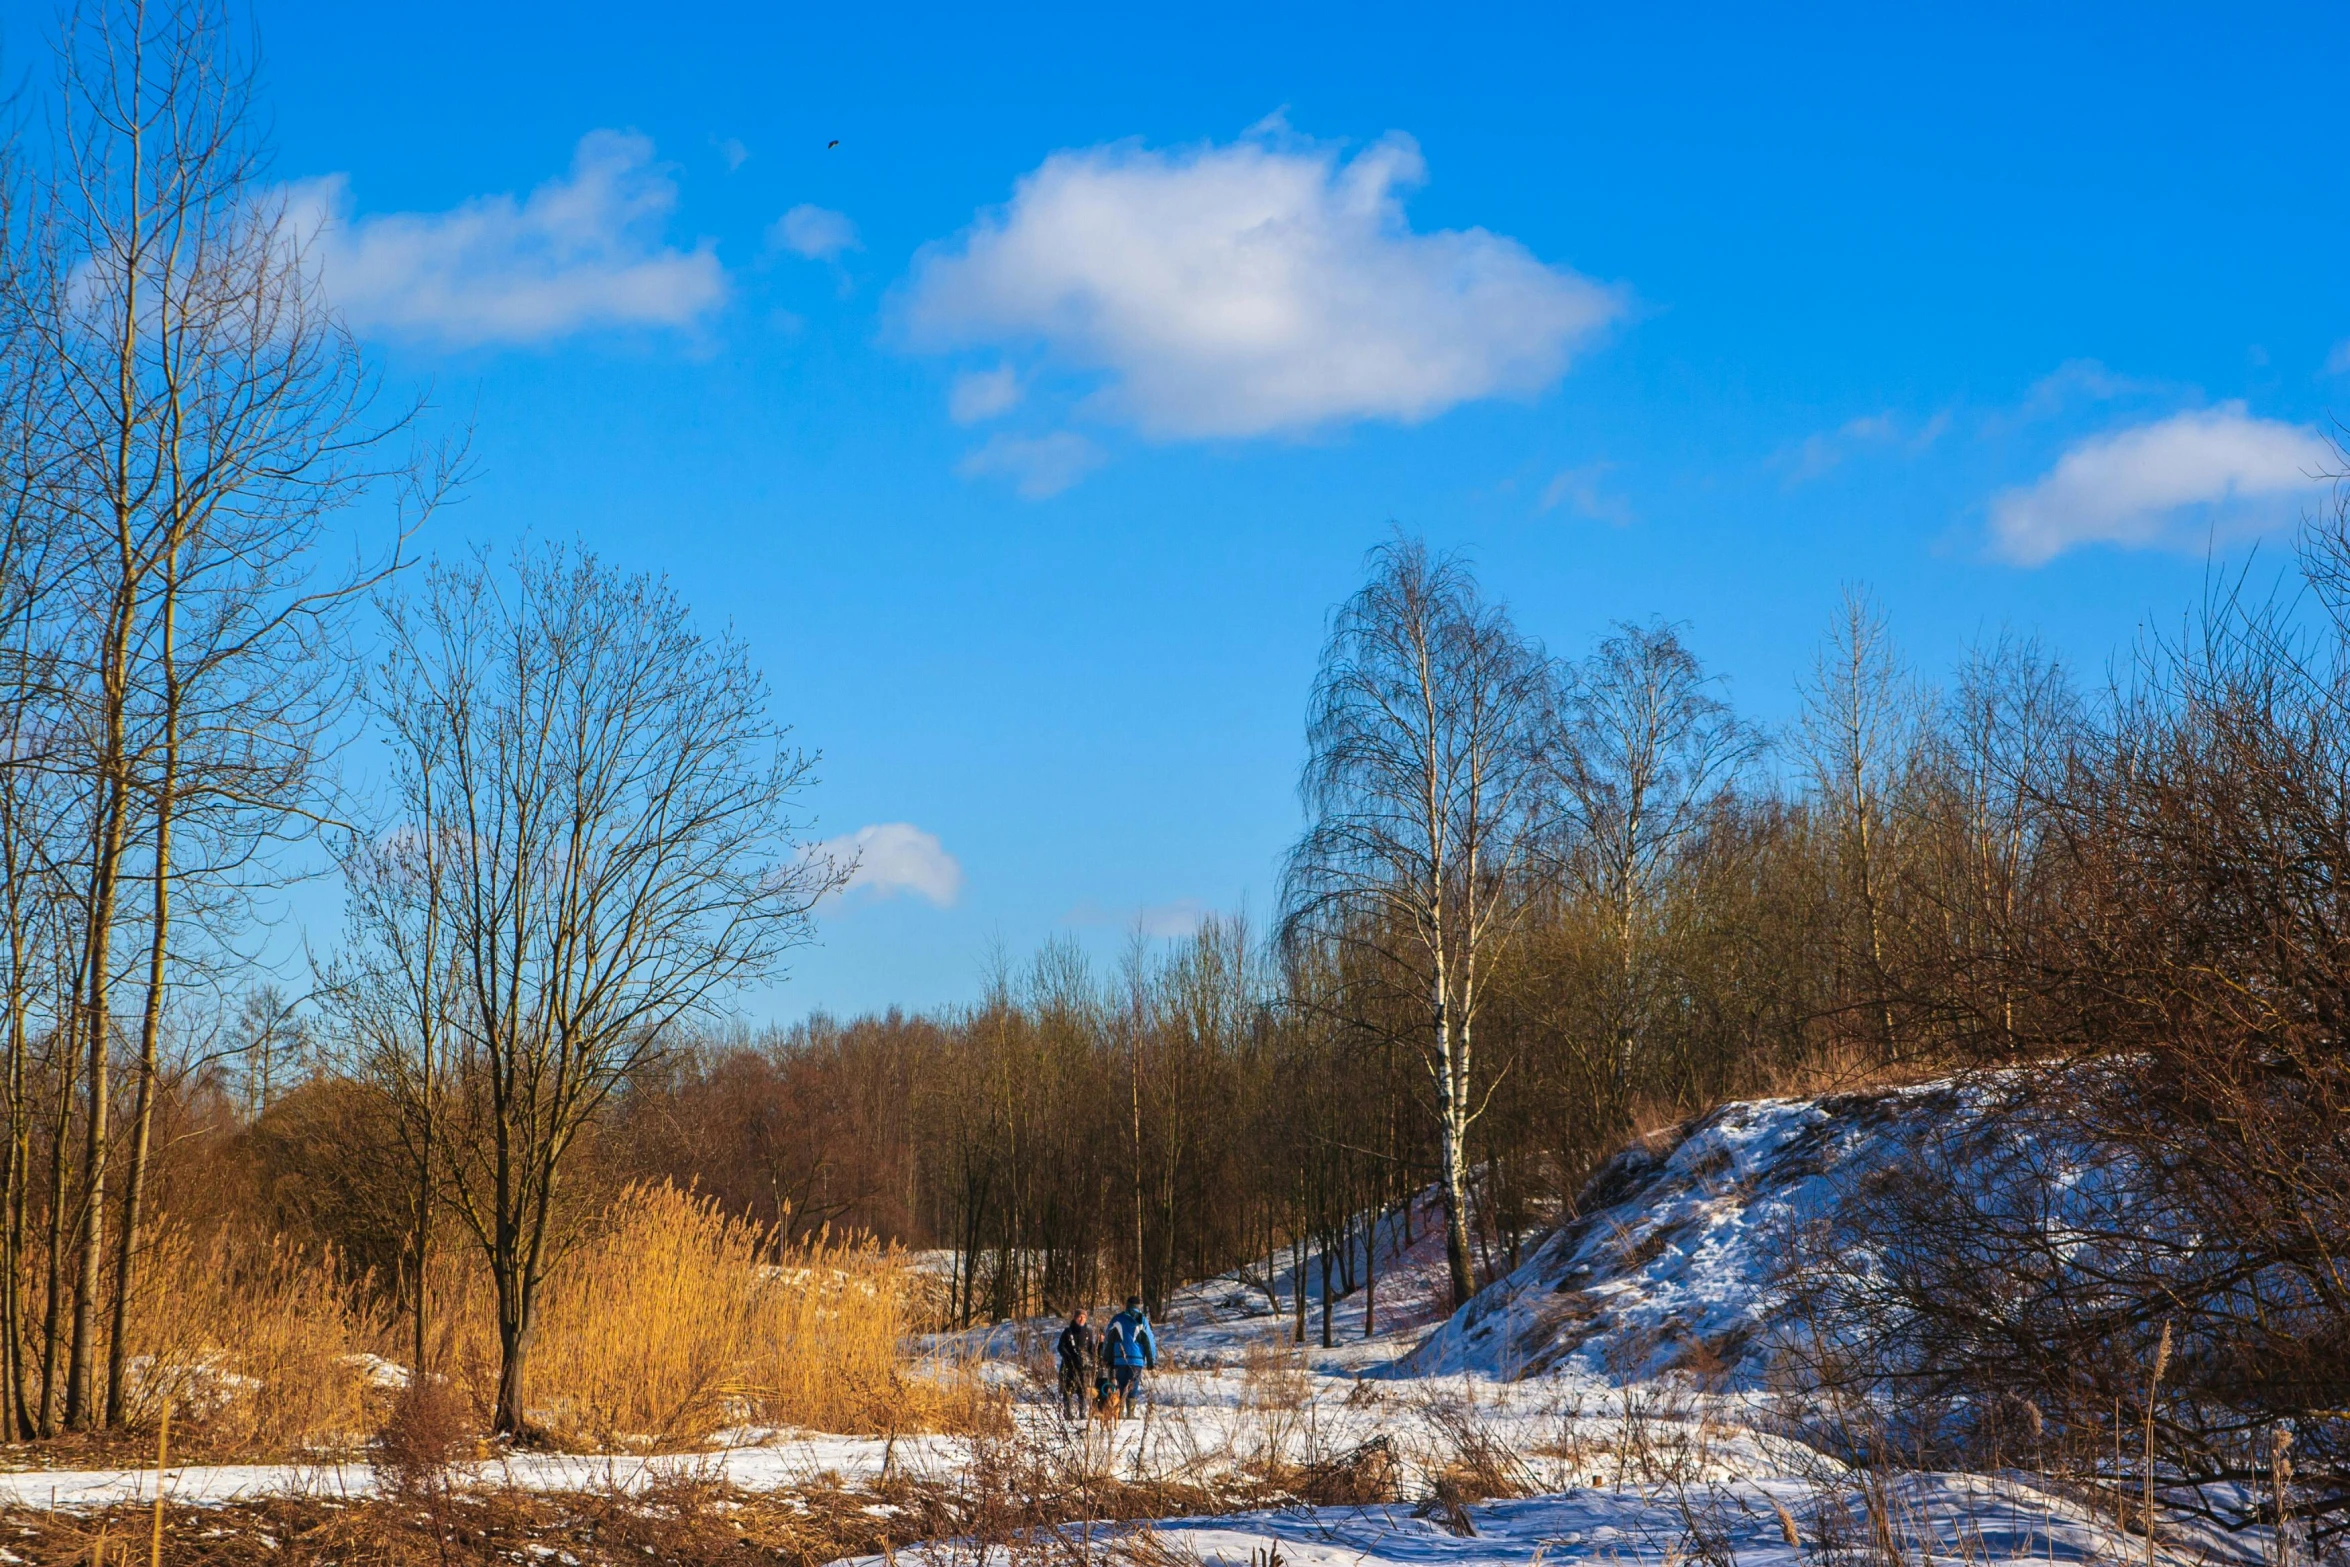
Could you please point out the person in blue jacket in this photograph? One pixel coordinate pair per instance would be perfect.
(1129, 1348)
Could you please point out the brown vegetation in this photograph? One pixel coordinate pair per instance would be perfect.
(2125, 1259)
(667, 1323)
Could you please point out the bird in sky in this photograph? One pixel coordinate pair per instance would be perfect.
(828, 146)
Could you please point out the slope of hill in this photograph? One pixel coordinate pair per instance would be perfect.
(1672, 1265)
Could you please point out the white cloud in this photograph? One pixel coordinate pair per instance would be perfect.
(893, 858)
(2338, 362)
(2176, 482)
(581, 251)
(732, 153)
(817, 233)
(1038, 465)
(982, 394)
(1260, 287)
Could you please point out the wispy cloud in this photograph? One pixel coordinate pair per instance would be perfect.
(582, 251)
(1259, 287)
(2338, 362)
(1578, 489)
(2215, 473)
(2077, 384)
(1039, 466)
(895, 859)
(1158, 920)
(983, 394)
(1818, 455)
(818, 233)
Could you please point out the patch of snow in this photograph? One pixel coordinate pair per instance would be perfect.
(1975, 1520)
(1672, 1267)
(386, 1375)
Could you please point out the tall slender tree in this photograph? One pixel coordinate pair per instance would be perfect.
(1426, 800)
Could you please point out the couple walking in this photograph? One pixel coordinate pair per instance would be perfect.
(1115, 1358)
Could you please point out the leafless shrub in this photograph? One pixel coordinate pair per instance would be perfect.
(430, 1430)
(1363, 1476)
(1469, 1462)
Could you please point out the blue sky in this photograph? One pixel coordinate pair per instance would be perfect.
(1029, 434)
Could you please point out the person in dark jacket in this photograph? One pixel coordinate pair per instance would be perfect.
(1079, 1348)
(1129, 1348)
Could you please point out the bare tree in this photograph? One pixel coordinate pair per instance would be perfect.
(206, 417)
(36, 817)
(2012, 724)
(1424, 790)
(273, 1044)
(1647, 748)
(590, 844)
(1863, 714)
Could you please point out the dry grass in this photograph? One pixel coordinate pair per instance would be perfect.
(1468, 1460)
(685, 1520)
(1015, 1498)
(669, 1324)
(260, 1347)
(674, 1321)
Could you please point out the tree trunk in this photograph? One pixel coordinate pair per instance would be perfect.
(114, 774)
(1456, 1217)
(91, 1249)
(18, 1421)
(12, 1322)
(517, 1326)
(1452, 1149)
(52, 1308)
(1134, 1092)
(151, 1019)
(1297, 1283)
(1326, 1341)
(423, 1241)
(514, 1336)
(143, 1111)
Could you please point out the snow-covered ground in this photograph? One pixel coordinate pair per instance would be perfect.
(1672, 1267)
(761, 1461)
(1972, 1520)
(1617, 1371)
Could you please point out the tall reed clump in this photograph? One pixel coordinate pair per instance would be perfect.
(261, 1347)
(672, 1320)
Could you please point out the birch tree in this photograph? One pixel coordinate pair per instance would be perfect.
(1424, 792)
(1863, 715)
(1645, 747)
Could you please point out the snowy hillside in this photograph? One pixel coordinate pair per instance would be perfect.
(1670, 1272)
(1670, 1267)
